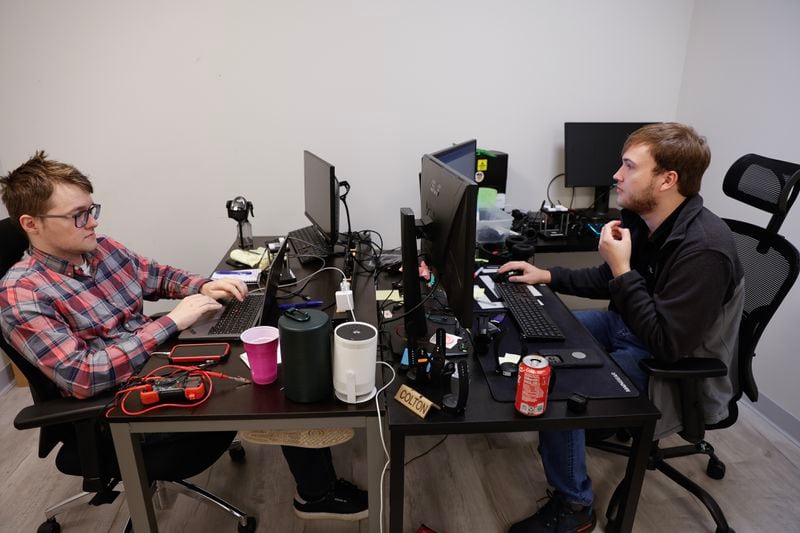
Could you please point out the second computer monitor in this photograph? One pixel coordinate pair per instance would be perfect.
(460, 157)
(321, 196)
(592, 154)
(449, 199)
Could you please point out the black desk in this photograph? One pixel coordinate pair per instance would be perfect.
(250, 407)
(484, 415)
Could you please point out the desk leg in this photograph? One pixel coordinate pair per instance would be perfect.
(397, 482)
(634, 476)
(375, 461)
(134, 478)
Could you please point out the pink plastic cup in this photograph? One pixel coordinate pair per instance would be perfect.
(261, 345)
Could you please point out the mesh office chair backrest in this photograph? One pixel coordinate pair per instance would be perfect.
(765, 183)
(770, 262)
(771, 265)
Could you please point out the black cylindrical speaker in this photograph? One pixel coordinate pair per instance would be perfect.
(306, 355)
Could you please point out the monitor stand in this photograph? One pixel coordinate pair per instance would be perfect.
(599, 212)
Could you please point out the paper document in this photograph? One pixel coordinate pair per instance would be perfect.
(450, 340)
(248, 275)
(479, 295)
(509, 358)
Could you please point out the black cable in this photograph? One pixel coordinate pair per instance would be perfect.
(607, 192)
(423, 454)
(408, 311)
(348, 259)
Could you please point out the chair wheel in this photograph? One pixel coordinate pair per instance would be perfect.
(715, 469)
(237, 453)
(50, 526)
(249, 527)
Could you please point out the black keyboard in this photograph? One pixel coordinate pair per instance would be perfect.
(531, 318)
(238, 316)
(308, 244)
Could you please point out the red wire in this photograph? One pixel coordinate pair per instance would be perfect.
(122, 395)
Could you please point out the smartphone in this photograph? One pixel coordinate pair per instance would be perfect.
(199, 353)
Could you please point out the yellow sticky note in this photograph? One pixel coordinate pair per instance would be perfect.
(388, 295)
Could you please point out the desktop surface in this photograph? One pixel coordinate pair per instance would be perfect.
(610, 405)
(231, 400)
(233, 407)
(485, 415)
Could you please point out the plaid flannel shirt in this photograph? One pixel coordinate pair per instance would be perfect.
(87, 332)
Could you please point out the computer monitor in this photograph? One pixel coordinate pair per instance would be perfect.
(592, 154)
(449, 200)
(460, 157)
(321, 196)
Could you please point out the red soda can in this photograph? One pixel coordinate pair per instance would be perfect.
(533, 379)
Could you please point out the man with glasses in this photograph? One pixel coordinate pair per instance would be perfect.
(73, 306)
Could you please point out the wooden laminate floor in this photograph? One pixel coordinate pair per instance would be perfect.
(472, 483)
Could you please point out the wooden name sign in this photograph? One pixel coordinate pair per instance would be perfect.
(413, 400)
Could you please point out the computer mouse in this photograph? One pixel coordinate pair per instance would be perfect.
(503, 278)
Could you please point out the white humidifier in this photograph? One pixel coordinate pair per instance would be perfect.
(354, 357)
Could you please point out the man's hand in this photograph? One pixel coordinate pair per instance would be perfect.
(615, 247)
(530, 273)
(223, 289)
(191, 308)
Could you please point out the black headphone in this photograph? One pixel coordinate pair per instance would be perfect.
(521, 247)
(516, 247)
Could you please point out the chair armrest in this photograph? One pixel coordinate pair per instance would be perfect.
(686, 368)
(61, 411)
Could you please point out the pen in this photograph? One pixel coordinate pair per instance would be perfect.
(301, 305)
(234, 272)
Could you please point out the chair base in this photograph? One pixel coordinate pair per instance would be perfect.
(246, 524)
(657, 461)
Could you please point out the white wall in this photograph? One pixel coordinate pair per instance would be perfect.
(740, 89)
(173, 108)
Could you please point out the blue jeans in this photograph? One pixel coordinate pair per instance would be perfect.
(564, 452)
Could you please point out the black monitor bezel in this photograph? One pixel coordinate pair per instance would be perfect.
(451, 256)
(443, 155)
(328, 228)
(599, 177)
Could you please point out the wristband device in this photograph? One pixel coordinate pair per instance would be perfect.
(188, 389)
(199, 353)
(456, 402)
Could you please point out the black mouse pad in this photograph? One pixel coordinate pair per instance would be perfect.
(599, 377)
(606, 381)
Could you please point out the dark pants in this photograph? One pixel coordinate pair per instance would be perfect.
(312, 469)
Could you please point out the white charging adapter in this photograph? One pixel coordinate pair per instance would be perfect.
(344, 298)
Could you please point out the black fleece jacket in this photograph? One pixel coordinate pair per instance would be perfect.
(697, 272)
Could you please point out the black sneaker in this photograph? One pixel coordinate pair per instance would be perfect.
(558, 516)
(344, 502)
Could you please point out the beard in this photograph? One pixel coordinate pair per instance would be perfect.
(644, 202)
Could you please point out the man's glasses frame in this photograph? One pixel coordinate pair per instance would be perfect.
(81, 218)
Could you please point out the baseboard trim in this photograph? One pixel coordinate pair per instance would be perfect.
(777, 416)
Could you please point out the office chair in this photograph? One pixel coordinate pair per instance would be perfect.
(771, 265)
(86, 446)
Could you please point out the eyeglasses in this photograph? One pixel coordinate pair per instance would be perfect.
(81, 218)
